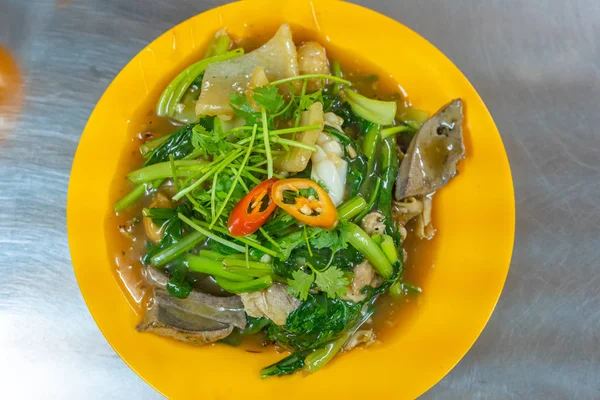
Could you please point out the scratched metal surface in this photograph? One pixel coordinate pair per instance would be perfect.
(537, 67)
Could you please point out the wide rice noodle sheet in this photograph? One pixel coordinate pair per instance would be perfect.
(278, 57)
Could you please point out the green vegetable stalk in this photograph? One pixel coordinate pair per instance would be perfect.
(218, 45)
(321, 356)
(371, 139)
(213, 267)
(351, 208)
(292, 363)
(390, 173)
(389, 248)
(178, 249)
(163, 170)
(363, 243)
(218, 256)
(132, 197)
(246, 286)
(376, 111)
(147, 148)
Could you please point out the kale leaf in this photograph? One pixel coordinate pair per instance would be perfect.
(317, 321)
(179, 143)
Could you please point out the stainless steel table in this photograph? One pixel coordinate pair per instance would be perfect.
(535, 63)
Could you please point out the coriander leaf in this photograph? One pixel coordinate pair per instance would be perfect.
(334, 239)
(324, 239)
(209, 144)
(300, 285)
(288, 243)
(332, 281)
(268, 97)
(242, 108)
(308, 99)
(279, 223)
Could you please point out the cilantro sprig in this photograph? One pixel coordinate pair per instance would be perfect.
(331, 281)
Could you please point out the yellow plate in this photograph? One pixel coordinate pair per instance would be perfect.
(474, 216)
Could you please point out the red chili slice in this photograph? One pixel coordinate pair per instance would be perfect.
(250, 213)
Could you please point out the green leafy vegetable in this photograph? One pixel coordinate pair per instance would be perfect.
(334, 239)
(376, 111)
(240, 104)
(331, 281)
(317, 321)
(321, 356)
(292, 363)
(390, 174)
(300, 284)
(269, 98)
(363, 243)
(208, 144)
(178, 285)
(179, 143)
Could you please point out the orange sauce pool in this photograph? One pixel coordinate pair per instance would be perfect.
(126, 239)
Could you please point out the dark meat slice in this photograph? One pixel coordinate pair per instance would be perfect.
(198, 319)
(166, 318)
(433, 154)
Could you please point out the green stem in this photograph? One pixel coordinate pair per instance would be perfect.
(266, 235)
(148, 147)
(218, 45)
(211, 171)
(389, 249)
(372, 201)
(387, 132)
(372, 252)
(265, 127)
(174, 172)
(321, 356)
(262, 171)
(294, 143)
(163, 170)
(294, 130)
(234, 262)
(209, 234)
(133, 196)
(243, 239)
(212, 267)
(311, 76)
(337, 71)
(130, 198)
(299, 110)
(218, 256)
(351, 208)
(248, 272)
(247, 286)
(176, 250)
(370, 140)
(235, 179)
(390, 174)
(289, 104)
